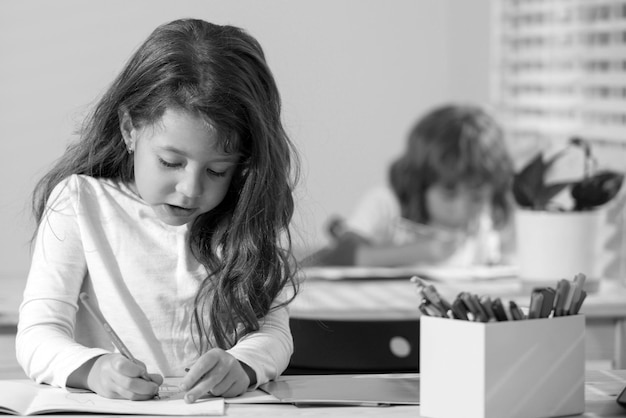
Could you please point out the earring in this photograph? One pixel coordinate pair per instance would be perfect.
(129, 148)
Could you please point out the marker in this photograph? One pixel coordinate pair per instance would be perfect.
(117, 341)
(473, 306)
(485, 302)
(577, 289)
(498, 310)
(430, 294)
(548, 301)
(516, 312)
(536, 303)
(459, 310)
(562, 290)
(429, 309)
(574, 309)
(483, 316)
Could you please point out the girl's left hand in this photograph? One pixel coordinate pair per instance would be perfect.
(216, 372)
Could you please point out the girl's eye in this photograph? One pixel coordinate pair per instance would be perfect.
(168, 164)
(216, 173)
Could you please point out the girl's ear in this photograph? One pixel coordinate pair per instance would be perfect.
(127, 129)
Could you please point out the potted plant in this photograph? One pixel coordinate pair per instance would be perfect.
(559, 238)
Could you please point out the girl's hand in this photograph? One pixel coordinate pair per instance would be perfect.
(115, 376)
(218, 373)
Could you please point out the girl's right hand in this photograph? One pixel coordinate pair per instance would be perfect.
(115, 376)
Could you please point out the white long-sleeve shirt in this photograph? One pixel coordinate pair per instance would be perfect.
(101, 238)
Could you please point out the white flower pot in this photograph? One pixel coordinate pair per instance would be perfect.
(557, 245)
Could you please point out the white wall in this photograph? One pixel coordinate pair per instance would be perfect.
(354, 75)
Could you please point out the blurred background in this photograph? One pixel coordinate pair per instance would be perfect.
(354, 76)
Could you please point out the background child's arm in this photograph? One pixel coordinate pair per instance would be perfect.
(420, 252)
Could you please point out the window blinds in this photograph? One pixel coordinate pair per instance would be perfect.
(560, 70)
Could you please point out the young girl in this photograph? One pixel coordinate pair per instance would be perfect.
(172, 214)
(449, 200)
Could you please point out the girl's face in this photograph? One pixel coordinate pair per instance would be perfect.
(179, 170)
(456, 207)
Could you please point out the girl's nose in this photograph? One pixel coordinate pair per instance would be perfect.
(190, 185)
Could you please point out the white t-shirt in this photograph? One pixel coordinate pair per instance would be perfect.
(378, 218)
(101, 238)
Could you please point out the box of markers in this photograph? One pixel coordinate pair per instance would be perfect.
(528, 368)
(483, 357)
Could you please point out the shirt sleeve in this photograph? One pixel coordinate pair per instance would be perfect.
(268, 350)
(45, 344)
(375, 215)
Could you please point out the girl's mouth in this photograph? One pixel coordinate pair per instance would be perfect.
(179, 211)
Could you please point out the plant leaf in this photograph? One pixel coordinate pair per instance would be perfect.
(597, 190)
(528, 182)
(546, 193)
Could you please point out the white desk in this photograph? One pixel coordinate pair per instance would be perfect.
(601, 388)
(605, 310)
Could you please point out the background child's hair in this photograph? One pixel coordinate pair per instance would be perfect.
(218, 73)
(453, 145)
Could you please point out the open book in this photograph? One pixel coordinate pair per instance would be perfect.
(25, 397)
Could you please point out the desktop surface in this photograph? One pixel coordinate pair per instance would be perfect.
(601, 390)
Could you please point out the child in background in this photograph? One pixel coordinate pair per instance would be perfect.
(448, 201)
(171, 213)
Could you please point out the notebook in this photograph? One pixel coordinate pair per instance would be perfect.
(25, 397)
(363, 390)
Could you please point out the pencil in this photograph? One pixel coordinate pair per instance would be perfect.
(117, 341)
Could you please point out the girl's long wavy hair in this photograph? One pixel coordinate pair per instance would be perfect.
(453, 145)
(220, 74)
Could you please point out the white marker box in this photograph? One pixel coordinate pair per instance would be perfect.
(529, 368)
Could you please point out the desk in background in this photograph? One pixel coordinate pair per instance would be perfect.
(397, 299)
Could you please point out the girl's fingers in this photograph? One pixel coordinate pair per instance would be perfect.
(156, 378)
(227, 383)
(217, 373)
(128, 367)
(236, 389)
(198, 372)
(135, 396)
(224, 385)
(142, 387)
(206, 384)
(131, 383)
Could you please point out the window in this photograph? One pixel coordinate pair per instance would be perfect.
(560, 70)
